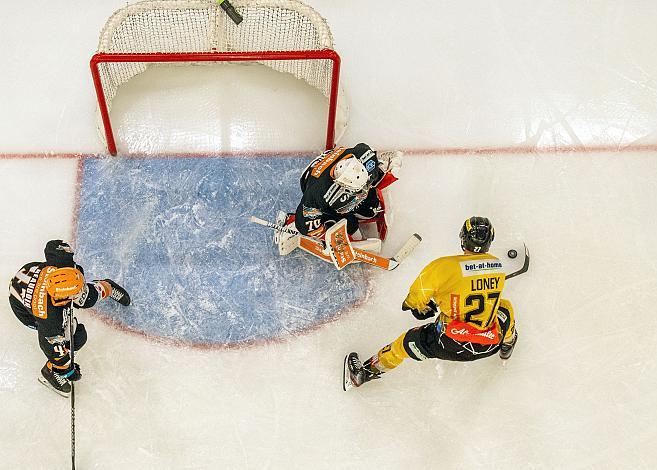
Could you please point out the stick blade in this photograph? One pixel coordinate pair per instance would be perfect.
(524, 268)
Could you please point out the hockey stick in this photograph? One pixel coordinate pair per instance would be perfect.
(523, 269)
(316, 247)
(72, 354)
(272, 226)
(230, 11)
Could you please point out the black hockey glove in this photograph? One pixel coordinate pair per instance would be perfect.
(428, 312)
(73, 373)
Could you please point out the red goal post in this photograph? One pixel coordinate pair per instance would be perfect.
(285, 35)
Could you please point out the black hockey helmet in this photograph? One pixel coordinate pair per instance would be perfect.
(477, 234)
(59, 253)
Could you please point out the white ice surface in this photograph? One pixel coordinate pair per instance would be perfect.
(580, 390)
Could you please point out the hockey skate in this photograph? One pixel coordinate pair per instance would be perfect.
(55, 382)
(354, 374)
(119, 294)
(506, 349)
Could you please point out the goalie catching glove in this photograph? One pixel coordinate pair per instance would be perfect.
(390, 161)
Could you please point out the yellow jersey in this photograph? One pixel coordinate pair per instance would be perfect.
(465, 287)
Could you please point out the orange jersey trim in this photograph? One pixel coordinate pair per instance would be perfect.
(40, 296)
(326, 162)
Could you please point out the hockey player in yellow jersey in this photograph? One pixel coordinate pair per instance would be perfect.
(473, 322)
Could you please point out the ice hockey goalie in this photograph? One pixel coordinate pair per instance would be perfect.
(342, 193)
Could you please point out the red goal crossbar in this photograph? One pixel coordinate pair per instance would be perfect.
(172, 57)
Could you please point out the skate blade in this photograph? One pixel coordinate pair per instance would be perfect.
(50, 387)
(346, 379)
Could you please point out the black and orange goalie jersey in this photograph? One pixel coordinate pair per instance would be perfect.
(325, 200)
(467, 289)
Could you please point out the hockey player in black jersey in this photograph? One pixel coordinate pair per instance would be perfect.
(344, 183)
(40, 295)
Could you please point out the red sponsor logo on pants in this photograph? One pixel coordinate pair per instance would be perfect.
(464, 332)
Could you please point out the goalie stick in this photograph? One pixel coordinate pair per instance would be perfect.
(406, 249)
(317, 247)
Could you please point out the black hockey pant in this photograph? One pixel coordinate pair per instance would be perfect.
(430, 341)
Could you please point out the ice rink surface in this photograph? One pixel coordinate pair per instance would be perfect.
(542, 117)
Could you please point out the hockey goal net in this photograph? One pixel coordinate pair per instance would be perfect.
(285, 35)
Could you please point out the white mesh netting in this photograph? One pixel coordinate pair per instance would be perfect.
(185, 26)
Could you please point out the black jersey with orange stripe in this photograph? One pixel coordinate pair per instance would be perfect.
(28, 287)
(34, 307)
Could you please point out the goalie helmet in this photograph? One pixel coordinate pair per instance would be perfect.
(64, 284)
(477, 234)
(350, 173)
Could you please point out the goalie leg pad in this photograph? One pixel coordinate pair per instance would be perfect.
(339, 246)
(287, 243)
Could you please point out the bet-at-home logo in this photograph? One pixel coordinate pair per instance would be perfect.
(479, 267)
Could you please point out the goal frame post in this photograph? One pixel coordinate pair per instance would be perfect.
(214, 56)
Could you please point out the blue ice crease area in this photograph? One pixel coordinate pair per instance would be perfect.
(175, 232)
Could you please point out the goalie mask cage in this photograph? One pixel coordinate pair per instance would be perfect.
(285, 35)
